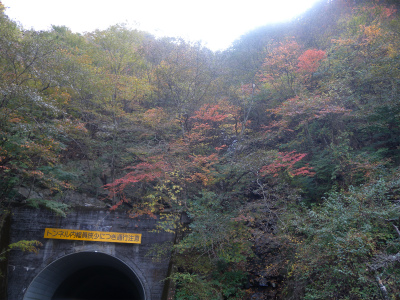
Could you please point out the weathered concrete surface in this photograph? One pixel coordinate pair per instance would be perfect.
(4, 242)
(29, 224)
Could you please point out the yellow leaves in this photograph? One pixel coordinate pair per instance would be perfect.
(297, 269)
(273, 269)
(370, 33)
(133, 88)
(343, 41)
(392, 51)
(29, 246)
(167, 192)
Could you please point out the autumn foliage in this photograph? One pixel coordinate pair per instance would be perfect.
(285, 162)
(282, 153)
(309, 61)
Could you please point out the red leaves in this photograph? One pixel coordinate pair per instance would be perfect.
(142, 172)
(286, 68)
(309, 60)
(210, 113)
(189, 159)
(209, 122)
(285, 161)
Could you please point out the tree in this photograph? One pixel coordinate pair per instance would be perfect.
(344, 244)
(183, 75)
(279, 68)
(32, 119)
(122, 85)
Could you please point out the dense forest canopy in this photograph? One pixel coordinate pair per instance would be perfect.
(283, 151)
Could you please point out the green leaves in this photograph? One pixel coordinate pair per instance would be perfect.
(60, 209)
(28, 246)
(340, 239)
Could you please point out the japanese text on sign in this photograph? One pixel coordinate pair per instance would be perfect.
(94, 236)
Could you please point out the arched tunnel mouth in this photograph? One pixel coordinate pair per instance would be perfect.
(84, 276)
(97, 282)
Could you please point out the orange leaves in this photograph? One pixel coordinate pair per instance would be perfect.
(33, 173)
(367, 26)
(309, 60)
(189, 159)
(9, 116)
(80, 127)
(201, 167)
(220, 148)
(197, 176)
(206, 161)
(371, 32)
(285, 161)
(281, 61)
(15, 120)
(286, 67)
(3, 159)
(210, 113)
(283, 56)
(158, 119)
(377, 11)
(155, 116)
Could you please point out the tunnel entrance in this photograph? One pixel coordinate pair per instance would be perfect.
(84, 276)
(98, 282)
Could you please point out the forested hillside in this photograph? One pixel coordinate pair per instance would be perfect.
(283, 151)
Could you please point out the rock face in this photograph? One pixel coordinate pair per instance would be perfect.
(73, 198)
(31, 275)
(78, 199)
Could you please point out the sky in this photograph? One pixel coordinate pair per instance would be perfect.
(217, 23)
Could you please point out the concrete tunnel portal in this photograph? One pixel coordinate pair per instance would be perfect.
(81, 269)
(86, 275)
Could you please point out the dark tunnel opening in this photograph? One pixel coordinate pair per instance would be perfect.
(97, 282)
(84, 276)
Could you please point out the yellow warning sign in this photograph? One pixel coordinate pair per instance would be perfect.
(94, 236)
